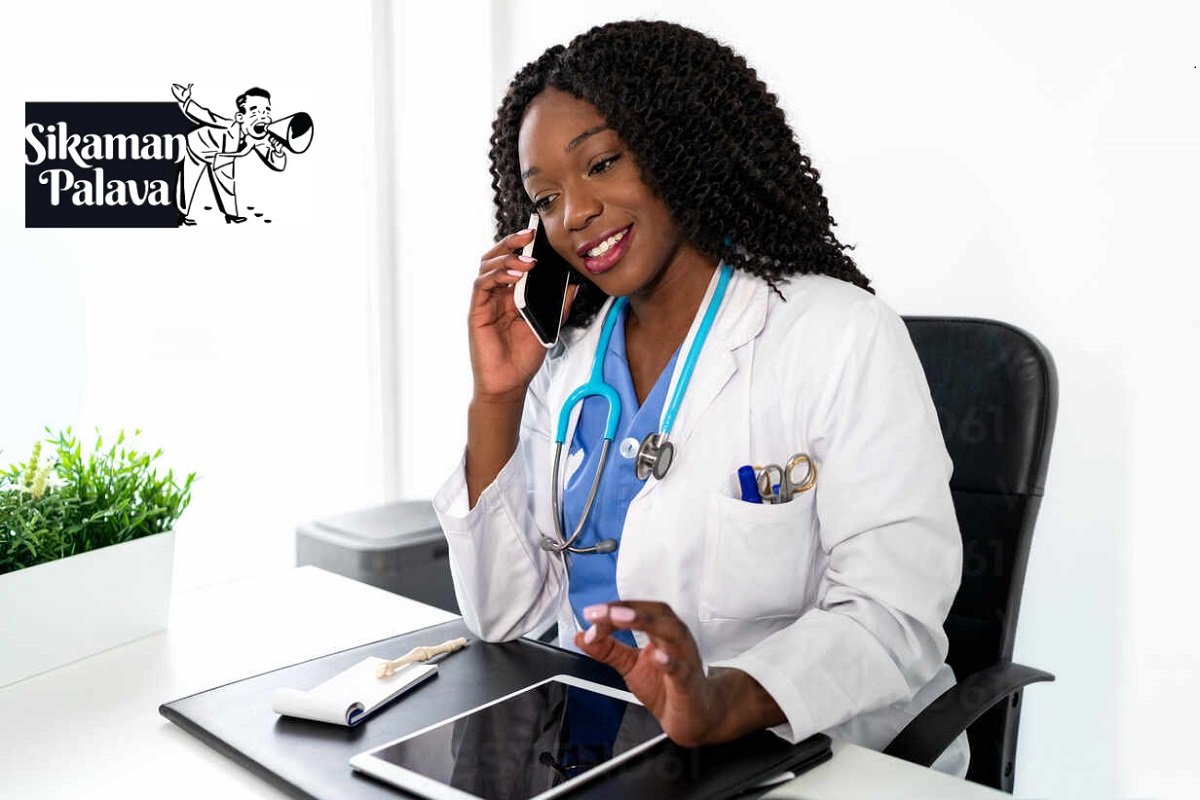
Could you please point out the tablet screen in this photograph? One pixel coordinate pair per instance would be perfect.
(527, 744)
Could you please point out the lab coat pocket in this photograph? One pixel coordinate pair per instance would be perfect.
(757, 557)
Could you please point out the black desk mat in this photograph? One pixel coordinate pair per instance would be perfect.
(311, 759)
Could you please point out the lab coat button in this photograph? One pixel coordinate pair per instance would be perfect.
(629, 447)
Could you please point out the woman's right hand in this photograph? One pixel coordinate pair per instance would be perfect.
(505, 353)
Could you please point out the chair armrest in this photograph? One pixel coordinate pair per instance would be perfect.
(940, 723)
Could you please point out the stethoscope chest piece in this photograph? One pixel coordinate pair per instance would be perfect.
(654, 457)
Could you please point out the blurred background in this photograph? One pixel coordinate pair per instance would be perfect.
(1030, 162)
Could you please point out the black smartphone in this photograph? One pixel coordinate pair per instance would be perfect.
(541, 293)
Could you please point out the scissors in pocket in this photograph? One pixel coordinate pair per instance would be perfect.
(778, 484)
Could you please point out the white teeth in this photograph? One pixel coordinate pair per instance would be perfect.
(604, 246)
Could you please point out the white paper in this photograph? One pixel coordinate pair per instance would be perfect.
(354, 689)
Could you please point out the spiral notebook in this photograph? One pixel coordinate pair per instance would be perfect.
(352, 695)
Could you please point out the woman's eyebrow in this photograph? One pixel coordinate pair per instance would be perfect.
(578, 140)
(571, 145)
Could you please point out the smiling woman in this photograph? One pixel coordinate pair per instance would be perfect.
(719, 319)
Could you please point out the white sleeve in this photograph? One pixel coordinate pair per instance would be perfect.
(888, 525)
(505, 583)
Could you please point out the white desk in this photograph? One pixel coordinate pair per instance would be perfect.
(102, 711)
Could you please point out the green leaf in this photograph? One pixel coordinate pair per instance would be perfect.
(106, 496)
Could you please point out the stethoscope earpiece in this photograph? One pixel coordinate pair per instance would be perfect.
(604, 546)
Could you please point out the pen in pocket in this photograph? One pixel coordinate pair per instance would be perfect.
(749, 484)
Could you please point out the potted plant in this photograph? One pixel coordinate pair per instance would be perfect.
(86, 551)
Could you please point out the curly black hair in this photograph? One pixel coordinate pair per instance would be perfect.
(709, 138)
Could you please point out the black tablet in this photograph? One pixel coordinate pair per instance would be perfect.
(538, 742)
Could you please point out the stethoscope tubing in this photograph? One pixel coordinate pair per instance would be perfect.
(596, 385)
(563, 542)
(689, 364)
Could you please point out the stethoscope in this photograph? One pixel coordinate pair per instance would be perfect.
(656, 453)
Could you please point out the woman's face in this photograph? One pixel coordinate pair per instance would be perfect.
(588, 190)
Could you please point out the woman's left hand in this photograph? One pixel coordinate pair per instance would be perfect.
(667, 675)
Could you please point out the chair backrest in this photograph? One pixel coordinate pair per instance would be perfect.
(996, 393)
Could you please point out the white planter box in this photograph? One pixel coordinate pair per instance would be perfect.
(65, 610)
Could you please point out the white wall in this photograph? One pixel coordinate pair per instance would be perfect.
(443, 107)
(1029, 162)
(243, 351)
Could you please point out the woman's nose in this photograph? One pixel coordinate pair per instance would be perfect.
(581, 209)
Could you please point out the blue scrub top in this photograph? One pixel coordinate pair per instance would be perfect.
(593, 576)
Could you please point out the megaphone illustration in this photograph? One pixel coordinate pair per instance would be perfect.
(294, 132)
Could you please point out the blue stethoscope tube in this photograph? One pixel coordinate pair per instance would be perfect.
(656, 453)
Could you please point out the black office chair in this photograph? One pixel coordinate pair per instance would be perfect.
(996, 393)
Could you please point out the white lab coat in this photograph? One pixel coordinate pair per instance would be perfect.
(833, 602)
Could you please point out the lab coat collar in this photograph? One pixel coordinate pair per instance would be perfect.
(741, 318)
(743, 312)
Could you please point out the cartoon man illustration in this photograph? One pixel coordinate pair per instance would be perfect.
(214, 148)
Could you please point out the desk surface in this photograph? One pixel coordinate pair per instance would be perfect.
(92, 728)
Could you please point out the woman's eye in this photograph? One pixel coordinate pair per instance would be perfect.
(604, 165)
(542, 203)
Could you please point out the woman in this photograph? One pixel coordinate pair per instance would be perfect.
(666, 175)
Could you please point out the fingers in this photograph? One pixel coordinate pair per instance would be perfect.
(487, 284)
(506, 261)
(672, 645)
(657, 620)
(514, 241)
(499, 273)
(597, 642)
(509, 266)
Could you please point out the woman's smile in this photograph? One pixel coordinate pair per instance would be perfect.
(603, 254)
